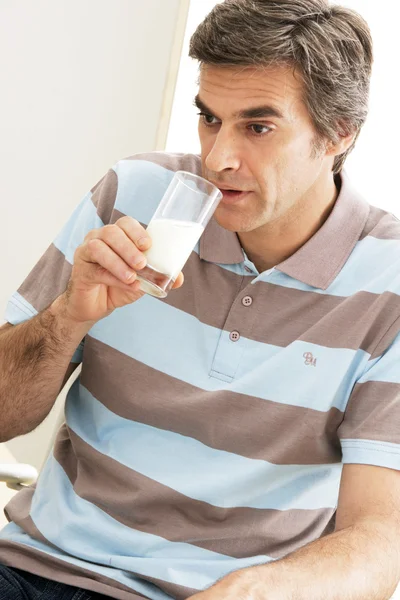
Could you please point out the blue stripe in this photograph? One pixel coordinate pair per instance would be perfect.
(11, 532)
(82, 530)
(141, 186)
(371, 452)
(262, 368)
(83, 219)
(196, 470)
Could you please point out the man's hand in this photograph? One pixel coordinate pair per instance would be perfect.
(359, 561)
(104, 273)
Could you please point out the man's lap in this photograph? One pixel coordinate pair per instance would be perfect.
(20, 585)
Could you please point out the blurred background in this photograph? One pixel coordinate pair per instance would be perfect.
(85, 83)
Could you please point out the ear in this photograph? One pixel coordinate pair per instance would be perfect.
(344, 141)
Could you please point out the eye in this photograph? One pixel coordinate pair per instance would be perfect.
(207, 119)
(258, 129)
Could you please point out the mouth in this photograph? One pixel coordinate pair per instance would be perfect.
(230, 196)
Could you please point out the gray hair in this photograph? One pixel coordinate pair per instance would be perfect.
(330, 46)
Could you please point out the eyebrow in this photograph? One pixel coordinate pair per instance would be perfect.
(258, 112)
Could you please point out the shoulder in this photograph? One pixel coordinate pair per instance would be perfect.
(143, 178)
(160, 163)
(377, 254)
(380, 245)
(381, 225)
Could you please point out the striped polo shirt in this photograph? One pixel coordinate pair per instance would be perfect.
(207, 430)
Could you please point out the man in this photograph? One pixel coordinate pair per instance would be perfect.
(239, 438)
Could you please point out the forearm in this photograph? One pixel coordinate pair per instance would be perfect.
(34, 359)
(358, 563)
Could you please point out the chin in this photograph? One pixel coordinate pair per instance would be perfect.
(233, 222)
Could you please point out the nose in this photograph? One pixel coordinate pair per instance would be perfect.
(224, 153)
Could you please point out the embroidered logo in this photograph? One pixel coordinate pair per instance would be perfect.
(310, 360)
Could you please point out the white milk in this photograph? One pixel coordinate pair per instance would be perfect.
(172, 244)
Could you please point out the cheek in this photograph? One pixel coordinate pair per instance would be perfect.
(206, 144)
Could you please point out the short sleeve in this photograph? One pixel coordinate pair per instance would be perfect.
(370, 431)
(49, 277)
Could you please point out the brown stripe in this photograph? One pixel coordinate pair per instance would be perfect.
(321, 319)
(373, 413)
(49, 277)
(220, 419)
(18, 512)
(104, 194)
(33, 561)
(47, 280)
(381, 225)
(146, 505)
(329, 321)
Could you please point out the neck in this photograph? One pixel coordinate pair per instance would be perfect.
(276, 241)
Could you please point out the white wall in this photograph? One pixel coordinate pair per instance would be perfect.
(83, 84)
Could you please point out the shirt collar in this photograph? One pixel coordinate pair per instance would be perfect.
(319, 260)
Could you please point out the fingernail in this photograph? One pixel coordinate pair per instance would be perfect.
(142, 242)
(130, 275)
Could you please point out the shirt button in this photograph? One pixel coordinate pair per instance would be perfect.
(247, 301)
(234, 336)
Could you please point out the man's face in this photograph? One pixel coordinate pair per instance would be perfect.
(268, 154)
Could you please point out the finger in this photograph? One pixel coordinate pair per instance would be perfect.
(121, 244)
(134, 230)
(178, 281)
(95, 274)
(98, 252)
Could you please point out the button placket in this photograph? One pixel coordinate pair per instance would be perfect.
(232, 342)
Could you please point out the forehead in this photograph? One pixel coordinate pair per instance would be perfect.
(235, 87)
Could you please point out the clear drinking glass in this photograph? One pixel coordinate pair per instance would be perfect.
(175, 228)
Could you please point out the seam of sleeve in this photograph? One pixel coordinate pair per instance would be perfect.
(21, 307)
(378, 451)
(381, 338)
(370, 446)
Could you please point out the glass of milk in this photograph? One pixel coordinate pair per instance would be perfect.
(175, 228)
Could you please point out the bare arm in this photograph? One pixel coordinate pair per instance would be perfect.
(35, 355)
(360, 561)
(34, 366)
(71, 367)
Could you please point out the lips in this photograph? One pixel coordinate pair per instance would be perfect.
(227, 189)
(232, 196)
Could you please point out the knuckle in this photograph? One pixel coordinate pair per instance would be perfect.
(95, 247)
(127, 221)
(90, 235)
(108, 232)
(95, 243)
(138, 259)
